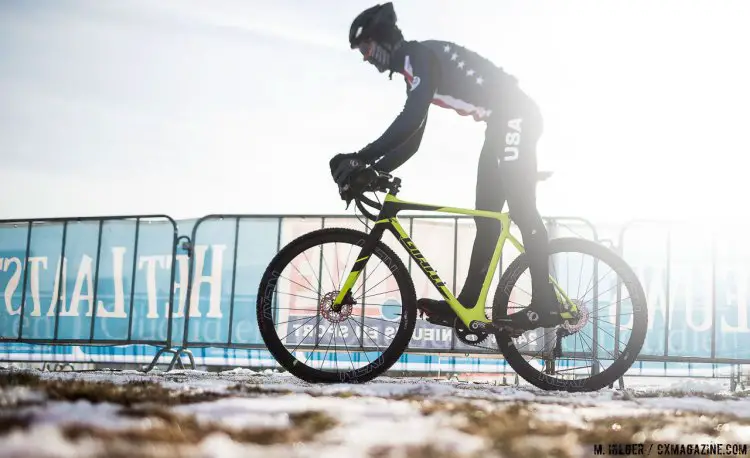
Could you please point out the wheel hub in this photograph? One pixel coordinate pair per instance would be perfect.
(330, 313)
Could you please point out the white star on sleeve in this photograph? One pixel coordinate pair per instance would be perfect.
(454, 56)
(470, 72)
(461, 64)
(447, 48)
(480, 80)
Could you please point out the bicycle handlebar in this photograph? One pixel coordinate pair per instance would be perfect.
(382, 182)
(369, 202)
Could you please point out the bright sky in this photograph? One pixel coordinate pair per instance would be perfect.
(191, 107)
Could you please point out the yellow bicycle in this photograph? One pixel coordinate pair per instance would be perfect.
(295, 308)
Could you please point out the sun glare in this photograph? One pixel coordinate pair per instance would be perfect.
(644, 105)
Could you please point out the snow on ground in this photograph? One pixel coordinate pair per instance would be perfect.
(246, 413)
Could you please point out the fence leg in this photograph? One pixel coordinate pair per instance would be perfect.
(191, 358)
(158, 354)
(176, 358)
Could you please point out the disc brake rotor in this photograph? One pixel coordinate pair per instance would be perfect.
(583, 318)
(326, 308)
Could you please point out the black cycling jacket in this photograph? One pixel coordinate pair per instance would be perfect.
(440, 73)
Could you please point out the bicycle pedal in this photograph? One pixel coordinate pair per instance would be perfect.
(439, 320)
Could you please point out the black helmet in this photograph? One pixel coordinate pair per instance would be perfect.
(376, 23)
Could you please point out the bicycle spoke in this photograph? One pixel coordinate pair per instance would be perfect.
(338, 272)
(599, 281)
(599, 345)
(580, 276)
(322, 363)
(299, 284)
(573, 368)
(296, 319)
(336, 359)
(311, 266)
(303, 339)
(376, 330)
(361, 345)
(294, 330)
(349, 255)
(379, 294)
(380, 282)
(347, 350)
(316, 346)
(371, 339)
(364, 282)
(297, 295)
(333, 282)
(591, 349)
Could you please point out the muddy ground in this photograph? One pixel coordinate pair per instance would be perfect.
(246, 413)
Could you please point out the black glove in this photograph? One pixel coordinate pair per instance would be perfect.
(351, 174)
(343, 166)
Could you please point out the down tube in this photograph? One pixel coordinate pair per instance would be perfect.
(419, 258)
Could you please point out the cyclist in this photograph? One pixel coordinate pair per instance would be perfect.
(451, 76)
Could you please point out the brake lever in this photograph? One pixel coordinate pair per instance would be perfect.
(345, 195)
(347, 191)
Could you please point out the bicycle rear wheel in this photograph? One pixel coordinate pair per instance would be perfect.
(359, 342)
(549, 358)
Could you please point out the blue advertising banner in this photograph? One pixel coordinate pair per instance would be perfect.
(111, 281)
(89, 281)
(696, 285)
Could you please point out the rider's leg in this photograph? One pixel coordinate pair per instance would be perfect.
(520, 180)
(508, 167)
(520, 131)
(490, 196)
(508, 170)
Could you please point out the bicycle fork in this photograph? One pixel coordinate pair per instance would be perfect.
(368, 247)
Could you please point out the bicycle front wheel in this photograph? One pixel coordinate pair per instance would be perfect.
(313, 341)
(599, 347)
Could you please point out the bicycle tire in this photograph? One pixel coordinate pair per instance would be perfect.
(628, 355)
(267, 328)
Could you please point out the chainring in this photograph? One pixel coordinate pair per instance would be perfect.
(463, 334)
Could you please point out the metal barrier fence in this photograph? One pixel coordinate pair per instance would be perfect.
(99, 246)
(145, 289)
(696, 281)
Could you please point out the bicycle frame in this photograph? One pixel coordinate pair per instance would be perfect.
(472, 317)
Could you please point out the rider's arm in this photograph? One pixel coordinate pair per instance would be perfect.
(424, 80)
(403, 152)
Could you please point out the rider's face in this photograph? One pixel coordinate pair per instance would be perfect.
(370, 52)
